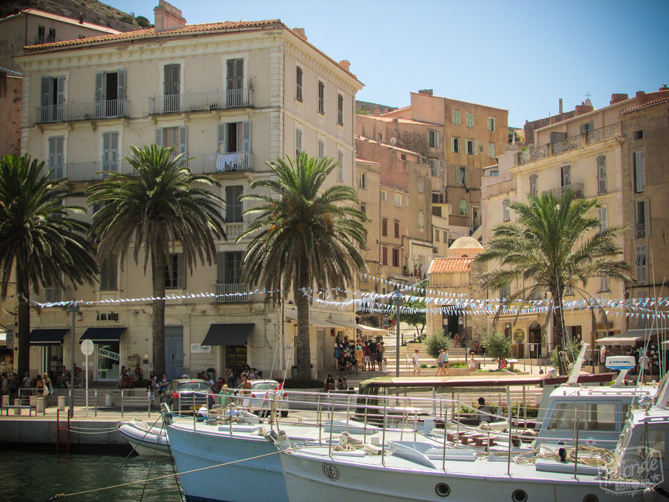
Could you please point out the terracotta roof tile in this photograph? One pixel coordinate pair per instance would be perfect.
(399, 121)
(386, 145)
(63, 19)
(645, 105)
(450, 265)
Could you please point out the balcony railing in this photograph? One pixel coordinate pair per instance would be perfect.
(88, 171)
(577, 188)
(52, 295)
(232, 293)
(234, 229)
(81, 111)
(210, 163)
(568, 144)
(202, 101)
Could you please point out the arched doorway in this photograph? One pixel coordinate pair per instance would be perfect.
(534, 339)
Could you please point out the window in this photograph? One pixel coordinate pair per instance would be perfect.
(587, 127)
(108, 275)
(398, 200)
(175, 272)
(56, 162)
(363, 180)
(384, 195)
(462, 175)
(640, 263)
(639, 174)
(638, 134)
(384, 227)
(642, 219)
(421, 185)
(173, 136)
(565, 176)
(604, 284)
(471, 147)
(506, 211)
(51, 37)
(384, 256)
(470, 120)
(603, 217)
(455, 145)
(110, 93)
(436, 235)
(433, 139)
(41, 34)
(505, 291)
(601, 174)
(396, 257)
(229, 267)
(340, 166)
(396, 225)
(456, 117)
(321, 98)
(298, 83)
(363, 208)
(569, 290)
(234, 80)
(491, 124)
(110, 156)
(463, 208)
(171, 87)
(52, 99)
(421, 219)
(435, 167)
(491, 150)
(233, 206)
(321, 149)
(533, 184)
(592, 416)
(340, 109)
(298, 142)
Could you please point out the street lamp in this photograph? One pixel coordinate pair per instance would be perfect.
(397, 301)
(74, 308)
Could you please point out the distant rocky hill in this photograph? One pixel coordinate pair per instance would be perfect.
(93, 11)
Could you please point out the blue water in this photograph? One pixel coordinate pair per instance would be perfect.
(39, 476)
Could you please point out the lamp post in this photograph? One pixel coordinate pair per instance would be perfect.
(397, 301)
(74, 308)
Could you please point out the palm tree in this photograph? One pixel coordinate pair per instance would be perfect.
(553, 246)
(304, 235)
(39, 243)
(152, 210)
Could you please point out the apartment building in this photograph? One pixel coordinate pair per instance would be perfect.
(586, 154)
(457, 140)
(229, 95)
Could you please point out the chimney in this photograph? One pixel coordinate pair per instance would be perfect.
(168, 17)
(428, 92)
(300, 33)
(346, 65)
(641, 97)
(560, 107)
(617, 98)
(583, 108)
(81, 18)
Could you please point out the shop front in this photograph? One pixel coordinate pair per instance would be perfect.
(107, 354)
(50, 341)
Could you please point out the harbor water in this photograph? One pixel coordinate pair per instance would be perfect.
(38, 476)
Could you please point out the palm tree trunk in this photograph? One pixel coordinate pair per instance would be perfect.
(23, 290)
(303, 349)
(559, 330)
(158, 322)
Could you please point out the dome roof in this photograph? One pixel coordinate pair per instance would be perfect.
(466, 243)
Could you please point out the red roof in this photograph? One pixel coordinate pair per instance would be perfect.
(450, 265)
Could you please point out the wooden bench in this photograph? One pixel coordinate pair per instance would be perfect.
(18, 407)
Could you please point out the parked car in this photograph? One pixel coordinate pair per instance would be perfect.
(184, 393)
(263, 392)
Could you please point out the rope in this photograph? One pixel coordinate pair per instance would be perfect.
(123, 485)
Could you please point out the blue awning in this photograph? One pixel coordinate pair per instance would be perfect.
(228, 334)
(53, 336)
(102, 335)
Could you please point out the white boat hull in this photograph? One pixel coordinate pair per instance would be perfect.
(145, 440)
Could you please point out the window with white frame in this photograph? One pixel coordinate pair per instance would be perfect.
(175, 272)
(603, 214)
(470, 120)
(340, 110)
(506, 210)
(321, 98)
(639, 171)
(298, 83)
(110, 154)
(173, 136)
(398, 200)
(640, 263)
(455, 145)
(298, 141)
(234, 207)
(491, 150)
(340, 166)
(533, 184)
(229, 267)
(456, 117)
(363, 180)
(433, 139)
(565, 175)
(56, 156)
(601, 174)
(491, 123)
(110, 93)
(172, 87)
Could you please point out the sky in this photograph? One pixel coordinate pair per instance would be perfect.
(522, 56)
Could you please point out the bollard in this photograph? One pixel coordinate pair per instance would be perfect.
(39, 405)
(17, 402)
(61, 403)
(108, 400)
(5, 401)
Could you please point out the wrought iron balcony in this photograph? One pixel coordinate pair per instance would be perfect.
(209, 163)
(87, 171)
(95, 110)
(567, 144)
(577, 188)
(201, 101)
(232, 293)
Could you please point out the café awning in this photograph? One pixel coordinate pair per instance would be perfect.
(627, 338)
(102, 335)
(228, 334)
(48, 336)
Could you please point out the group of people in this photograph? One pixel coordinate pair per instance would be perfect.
(330, 383)
(129, 378)
(359, 355)
(10, 384)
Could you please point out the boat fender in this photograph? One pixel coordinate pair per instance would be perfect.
(371, 449)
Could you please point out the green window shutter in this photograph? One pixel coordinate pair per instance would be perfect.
(183, 139)
(246, 136)
(222, 132)
(121, 92)
(99, 79)
(476, 148)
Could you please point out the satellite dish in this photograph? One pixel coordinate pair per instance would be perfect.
(393, 140)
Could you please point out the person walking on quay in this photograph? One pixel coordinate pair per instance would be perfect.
(366, 358)
(446, 363)
(416, 367)
(384, 367)
(440, 363)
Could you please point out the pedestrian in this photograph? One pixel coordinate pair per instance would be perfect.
(163, 383)
(446, 363)
(472, 361)
(416, 367)
(440, 363)
(384, 367)
(39, 386)
(366, 357)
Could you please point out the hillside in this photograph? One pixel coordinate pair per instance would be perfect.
(93, 11)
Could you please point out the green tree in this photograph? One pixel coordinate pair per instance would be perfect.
(554, 245)
(415, 319)
(39, 242)
(304, 235)
(498, 346)
(435, 342)
(161, 205)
